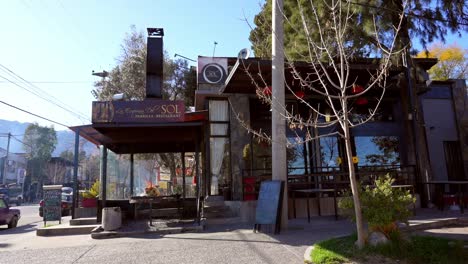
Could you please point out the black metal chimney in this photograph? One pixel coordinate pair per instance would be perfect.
(154, 63)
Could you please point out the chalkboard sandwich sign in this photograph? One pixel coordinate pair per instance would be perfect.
(269, 202)
(52, 203)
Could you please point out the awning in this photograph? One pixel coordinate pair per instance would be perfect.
(127, 138)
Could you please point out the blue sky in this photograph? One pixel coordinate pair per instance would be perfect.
(62, 41)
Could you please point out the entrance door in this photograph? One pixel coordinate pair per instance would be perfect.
(453, 159)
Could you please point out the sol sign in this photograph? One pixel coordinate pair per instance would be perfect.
(146, 111)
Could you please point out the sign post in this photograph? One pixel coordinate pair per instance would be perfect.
(269, 203)
(52, 209)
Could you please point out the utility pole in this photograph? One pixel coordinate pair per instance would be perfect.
(5, 162)
(278, 124)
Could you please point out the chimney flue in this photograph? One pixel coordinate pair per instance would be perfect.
(154, 63)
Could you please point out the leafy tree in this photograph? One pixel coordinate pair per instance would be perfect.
(129, 77)
(426, 21)
(453, 61)
(70, 155)
(39, 144)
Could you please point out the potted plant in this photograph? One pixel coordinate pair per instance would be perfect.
(90, 196)
(151, 190)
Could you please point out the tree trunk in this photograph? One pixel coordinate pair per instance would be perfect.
(361, 233)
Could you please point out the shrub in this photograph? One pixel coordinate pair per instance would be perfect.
(382, 205)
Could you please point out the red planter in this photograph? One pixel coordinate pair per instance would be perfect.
(89, 202)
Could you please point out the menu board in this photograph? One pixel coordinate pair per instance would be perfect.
(52, 198)
(269, 204)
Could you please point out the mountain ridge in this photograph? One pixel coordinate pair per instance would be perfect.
(65, 138)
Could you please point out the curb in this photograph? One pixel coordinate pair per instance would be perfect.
(97, 234)
(308, 255)
(429, 225)
(65, 231)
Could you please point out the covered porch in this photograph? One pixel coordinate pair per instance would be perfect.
(128, 163)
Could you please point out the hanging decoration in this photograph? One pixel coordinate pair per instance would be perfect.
(357, 89)
(300, 94)
(361, 101)
(267, 91)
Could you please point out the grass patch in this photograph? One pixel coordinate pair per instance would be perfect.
(415, 249)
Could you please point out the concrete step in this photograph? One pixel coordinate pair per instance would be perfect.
(210, 215)
(65, 230)
(83, 221)
(164, 212)
(220, 221)
(214, 201)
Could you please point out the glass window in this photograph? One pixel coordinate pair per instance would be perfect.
(377, 150)
(219, 144)
(295, 156)
(118, 176)
(329, 152)
(2, 204)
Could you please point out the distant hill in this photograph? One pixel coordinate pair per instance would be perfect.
(65, 138)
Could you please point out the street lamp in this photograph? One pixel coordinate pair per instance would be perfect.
(178, 55)
(102, 74)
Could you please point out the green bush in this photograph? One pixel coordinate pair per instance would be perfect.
(93, 192)
(382, 205)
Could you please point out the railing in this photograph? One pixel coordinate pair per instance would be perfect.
(328, 177)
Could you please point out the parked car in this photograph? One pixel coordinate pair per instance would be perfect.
(8, 216)
(67, 203)
(12, 194)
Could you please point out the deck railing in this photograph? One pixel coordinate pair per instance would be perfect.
(328, 177)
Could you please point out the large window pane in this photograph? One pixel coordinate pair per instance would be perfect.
(295, 156)
(329, 152)
(118, 176)
(378, 150)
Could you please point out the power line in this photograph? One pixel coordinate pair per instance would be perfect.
(42, 93)
(15, 75)
(21, 142)
(56, 82)
(55, 122)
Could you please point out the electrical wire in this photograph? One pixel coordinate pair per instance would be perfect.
(36, 115)
(54, 82)
(40, 93)
(21, 141)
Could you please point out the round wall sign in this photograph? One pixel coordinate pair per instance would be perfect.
(213, 73)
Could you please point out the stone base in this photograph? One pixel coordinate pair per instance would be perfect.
(85, 212)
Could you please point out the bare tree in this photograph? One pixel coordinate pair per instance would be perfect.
(329, 77)
(55, 172)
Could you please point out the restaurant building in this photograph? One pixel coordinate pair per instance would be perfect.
(386, 144)
(229, 162)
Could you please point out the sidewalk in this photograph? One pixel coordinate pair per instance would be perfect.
(293, 242)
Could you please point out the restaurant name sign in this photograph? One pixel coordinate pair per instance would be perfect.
(147, 111)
